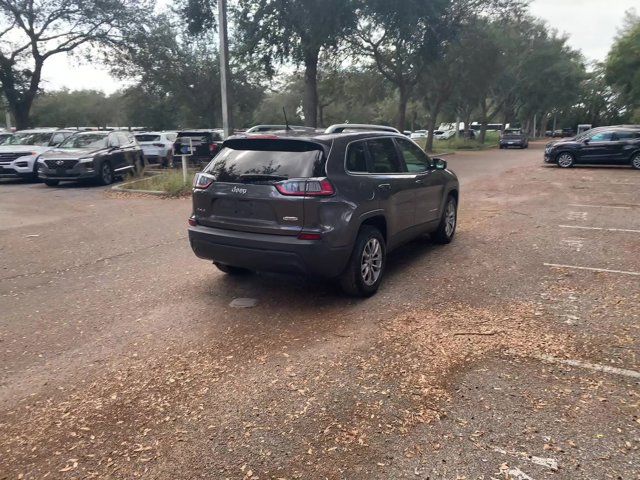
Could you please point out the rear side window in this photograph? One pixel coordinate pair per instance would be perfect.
(357, 158)
(626, 135)
(266, 162)
(383, 155)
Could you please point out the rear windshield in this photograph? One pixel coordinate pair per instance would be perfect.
(258, 161)
(201, 136)
(148, 138)
(514, 131)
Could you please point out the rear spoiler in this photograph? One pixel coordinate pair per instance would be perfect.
(273, 143)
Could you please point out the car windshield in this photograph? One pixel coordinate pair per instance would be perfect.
(41, 139)
(513, 131)
(148, 138)
(86, 140)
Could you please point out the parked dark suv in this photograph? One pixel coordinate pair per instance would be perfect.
(330, 205)
(91, 155)
(202, 145)
(603, 145)
(514, 137)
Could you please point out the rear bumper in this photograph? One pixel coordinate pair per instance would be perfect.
(513, 143)
(270, 253)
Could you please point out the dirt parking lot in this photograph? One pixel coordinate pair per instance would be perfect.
(513, 353)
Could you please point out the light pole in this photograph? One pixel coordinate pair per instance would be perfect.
(227, 121)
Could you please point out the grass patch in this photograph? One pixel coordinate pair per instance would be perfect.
(170, 183)
(453, 144)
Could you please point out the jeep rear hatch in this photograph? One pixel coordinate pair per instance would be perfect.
(259, 184)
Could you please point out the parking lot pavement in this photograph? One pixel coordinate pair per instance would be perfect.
(511, 353)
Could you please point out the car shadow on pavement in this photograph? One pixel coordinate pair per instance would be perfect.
(308, 292)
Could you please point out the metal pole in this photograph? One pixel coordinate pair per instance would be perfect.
(184, 168)
(535, 121)
(227, 121)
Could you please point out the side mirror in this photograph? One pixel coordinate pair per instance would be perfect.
(440, 164)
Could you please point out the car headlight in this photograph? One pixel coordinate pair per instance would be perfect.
(86, 160)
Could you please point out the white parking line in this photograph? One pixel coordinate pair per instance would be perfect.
(623, 230)
(590, 269)
(590, 366)
(629, 207)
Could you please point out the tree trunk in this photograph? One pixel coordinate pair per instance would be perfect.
(310, 104)
(483, 131)
(402, 107)
(20, 113)
(433, 119)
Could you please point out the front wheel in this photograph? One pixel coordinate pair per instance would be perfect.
(106, 174)
(635, 161)
(448, 222)
(566, 160)
(365, 269)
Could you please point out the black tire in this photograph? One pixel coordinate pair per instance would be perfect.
(230, 270)
(51, 183)
(357, 280)
(565, 160)
(448, 222)
(635, 161)
(105, 176)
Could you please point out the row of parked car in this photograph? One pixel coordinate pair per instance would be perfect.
(54, 155)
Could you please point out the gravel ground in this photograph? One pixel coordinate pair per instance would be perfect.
(120, 356)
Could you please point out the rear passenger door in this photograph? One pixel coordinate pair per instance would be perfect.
(428, 182)
(394, 187)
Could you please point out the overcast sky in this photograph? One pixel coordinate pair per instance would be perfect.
(590, 24)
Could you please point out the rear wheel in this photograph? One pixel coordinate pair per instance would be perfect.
(635, 161)
(106, 174)
(51, 183)
(228, 269)
(365, 270)
(566, 160)
(448, 222)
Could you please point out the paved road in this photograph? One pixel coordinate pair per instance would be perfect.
(121, 358)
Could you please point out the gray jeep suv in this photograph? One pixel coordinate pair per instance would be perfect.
(330, 205)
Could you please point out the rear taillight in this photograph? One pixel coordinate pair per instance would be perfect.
(213, 147)
(313, 187)
(203, 180)
(193, 222)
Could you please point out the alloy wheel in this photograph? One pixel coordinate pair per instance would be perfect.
(565, 160)
(450, 219)
(371, 262)
(635, 163)
(107, 177)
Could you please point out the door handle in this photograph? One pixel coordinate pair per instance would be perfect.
(419, 181)
(384, 186)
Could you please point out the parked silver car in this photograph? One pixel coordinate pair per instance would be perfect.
(157, 146)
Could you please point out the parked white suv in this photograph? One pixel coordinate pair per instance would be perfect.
(157, 147)
(18, 154)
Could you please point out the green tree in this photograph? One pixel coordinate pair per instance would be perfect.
(623, 63)
(35, 30)
(296, 31)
